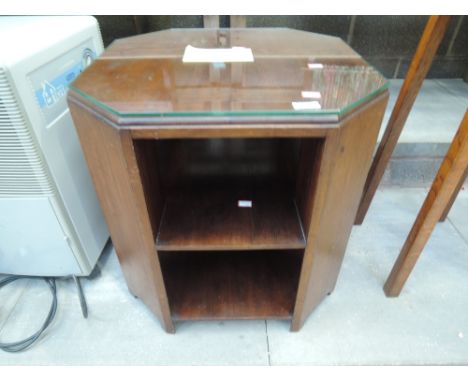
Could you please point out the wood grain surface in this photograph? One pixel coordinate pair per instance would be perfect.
(110, 158)
(231, 285)
(345, 160)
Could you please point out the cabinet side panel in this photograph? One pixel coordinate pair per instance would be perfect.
(146, 153)
(112, 163)
(345, 162)
(311, 151)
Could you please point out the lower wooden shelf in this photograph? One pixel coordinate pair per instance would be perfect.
(231, 285)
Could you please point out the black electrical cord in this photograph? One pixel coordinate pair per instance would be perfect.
(17, 346)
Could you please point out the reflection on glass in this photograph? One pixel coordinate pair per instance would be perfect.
(311, 94)
(148, 78)
(306, 105)
(341, 86)
(314, 65)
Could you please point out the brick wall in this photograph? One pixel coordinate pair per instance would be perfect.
(387, 42)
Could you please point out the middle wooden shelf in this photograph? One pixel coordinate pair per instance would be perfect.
(234, 218)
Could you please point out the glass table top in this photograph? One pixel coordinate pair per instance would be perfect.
(225, 72)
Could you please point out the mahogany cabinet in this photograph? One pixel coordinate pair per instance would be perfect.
(230, 188)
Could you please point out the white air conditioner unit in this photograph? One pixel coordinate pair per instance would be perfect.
(51, 223)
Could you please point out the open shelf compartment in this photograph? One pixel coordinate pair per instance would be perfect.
(231, 285)
(228, 194)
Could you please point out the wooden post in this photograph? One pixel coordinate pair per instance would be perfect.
(211, 21)
(454, 196)
(238, 21)
(444, 186)
(138, 21)
(425, 52)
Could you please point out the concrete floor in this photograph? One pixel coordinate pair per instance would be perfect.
(436, 114)
(356, 324)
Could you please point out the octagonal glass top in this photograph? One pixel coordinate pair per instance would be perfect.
(227, 72)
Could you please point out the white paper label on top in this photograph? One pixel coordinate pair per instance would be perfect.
(306, 105)
(234, 54)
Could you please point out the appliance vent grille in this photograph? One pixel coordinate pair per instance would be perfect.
(22, 170)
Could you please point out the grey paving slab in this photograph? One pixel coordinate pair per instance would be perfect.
(457, 87)
(357, 324)
(121, 331)
(9, 296)
(436, 113)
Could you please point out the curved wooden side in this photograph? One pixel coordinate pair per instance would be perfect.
(345, 160)
(111, 160)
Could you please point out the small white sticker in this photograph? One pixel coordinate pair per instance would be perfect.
(314, 65)
(310, 94)
(244, 203)
(306, 105)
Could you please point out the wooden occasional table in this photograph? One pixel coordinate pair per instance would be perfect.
(230, 188)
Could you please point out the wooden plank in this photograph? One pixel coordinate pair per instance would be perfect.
(211, 21)
(238, 21)
(341, 177)
(139, 24)
(209, 218)
(420, 64)
(231, 131)
(454, 196)
(445, 183)
(112, 164)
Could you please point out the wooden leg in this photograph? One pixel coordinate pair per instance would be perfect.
(454, 196)
(139, 21)
(427, 48)
(238, 21)
(211, 21)
(450, 172)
